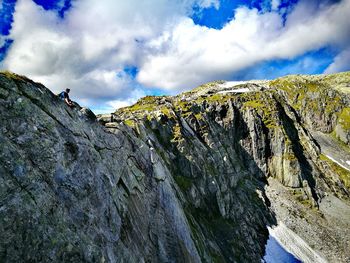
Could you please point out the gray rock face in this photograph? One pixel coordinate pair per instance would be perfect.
(342, 134)
(71, 191)
(170, 179)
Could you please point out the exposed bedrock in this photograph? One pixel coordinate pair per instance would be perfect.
(169, 179)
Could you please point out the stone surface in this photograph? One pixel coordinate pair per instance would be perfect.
(191, 178)
(71, 191)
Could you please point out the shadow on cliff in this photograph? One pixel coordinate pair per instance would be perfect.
(225, 202)
(292, 133)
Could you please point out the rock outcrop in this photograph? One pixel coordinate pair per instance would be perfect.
(196, 177)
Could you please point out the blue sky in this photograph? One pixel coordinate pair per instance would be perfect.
(110, 53)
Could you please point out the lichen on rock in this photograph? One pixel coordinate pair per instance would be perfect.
(195, 177)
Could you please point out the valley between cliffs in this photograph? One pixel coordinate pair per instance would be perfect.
(197, 177)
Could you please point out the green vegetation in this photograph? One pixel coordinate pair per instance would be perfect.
(331, 105)
(216, 98)
(307, 202)
(147, 103)
(11, 75)
(130, 123)
(340, 142)
(166, 111)
(186, 107)
(253, 104)
(265, 106)
(316, 94)
(176, 133)
(300, 196)
(339, 81)
(344, 118)
(310, 94)
(199, 116)
(146, 107)
(183, 106)
(344, 175)
(299, 90)
(207, 86)
(289, 156)
(183, 182)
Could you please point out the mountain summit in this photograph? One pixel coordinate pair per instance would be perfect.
(199, 177)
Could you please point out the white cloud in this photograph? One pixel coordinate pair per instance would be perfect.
(340, 63)
(275, 4)
(135, 95)
(191, 54)
(2, 40)
(89, 49)
(209, 3)
(112, 105)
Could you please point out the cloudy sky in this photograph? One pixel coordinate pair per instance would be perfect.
(112, 52)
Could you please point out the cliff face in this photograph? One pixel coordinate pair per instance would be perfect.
(192, 178)
(72, 191)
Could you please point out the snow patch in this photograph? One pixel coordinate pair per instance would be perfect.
(230, 84)
(235, 91)
(294, 244)
(341, 165)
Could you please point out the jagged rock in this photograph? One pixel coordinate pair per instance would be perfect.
(342, 134)
(72, 192)
(179, 181)
(112, 125)
(88, 114)
(104, 118)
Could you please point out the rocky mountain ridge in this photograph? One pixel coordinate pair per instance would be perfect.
(196, 177)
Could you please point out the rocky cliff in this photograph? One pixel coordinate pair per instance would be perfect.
(197, 177)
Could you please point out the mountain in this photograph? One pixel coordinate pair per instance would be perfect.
(198, 177)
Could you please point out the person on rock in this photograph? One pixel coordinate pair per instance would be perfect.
(64, 96)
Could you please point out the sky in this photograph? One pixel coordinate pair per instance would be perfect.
(112, 52)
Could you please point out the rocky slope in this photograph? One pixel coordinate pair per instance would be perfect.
(196, 177)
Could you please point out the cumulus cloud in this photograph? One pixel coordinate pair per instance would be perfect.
(275, 4)
(340, 63)
(209, 3)
(2, 40)
(191, 54)
(90, 48)
(135, 95)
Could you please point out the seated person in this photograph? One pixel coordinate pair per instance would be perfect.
(64, 96)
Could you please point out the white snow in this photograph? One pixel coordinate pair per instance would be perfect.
(294, 244)
(230, 84)
(236, 91)
(334, 160)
